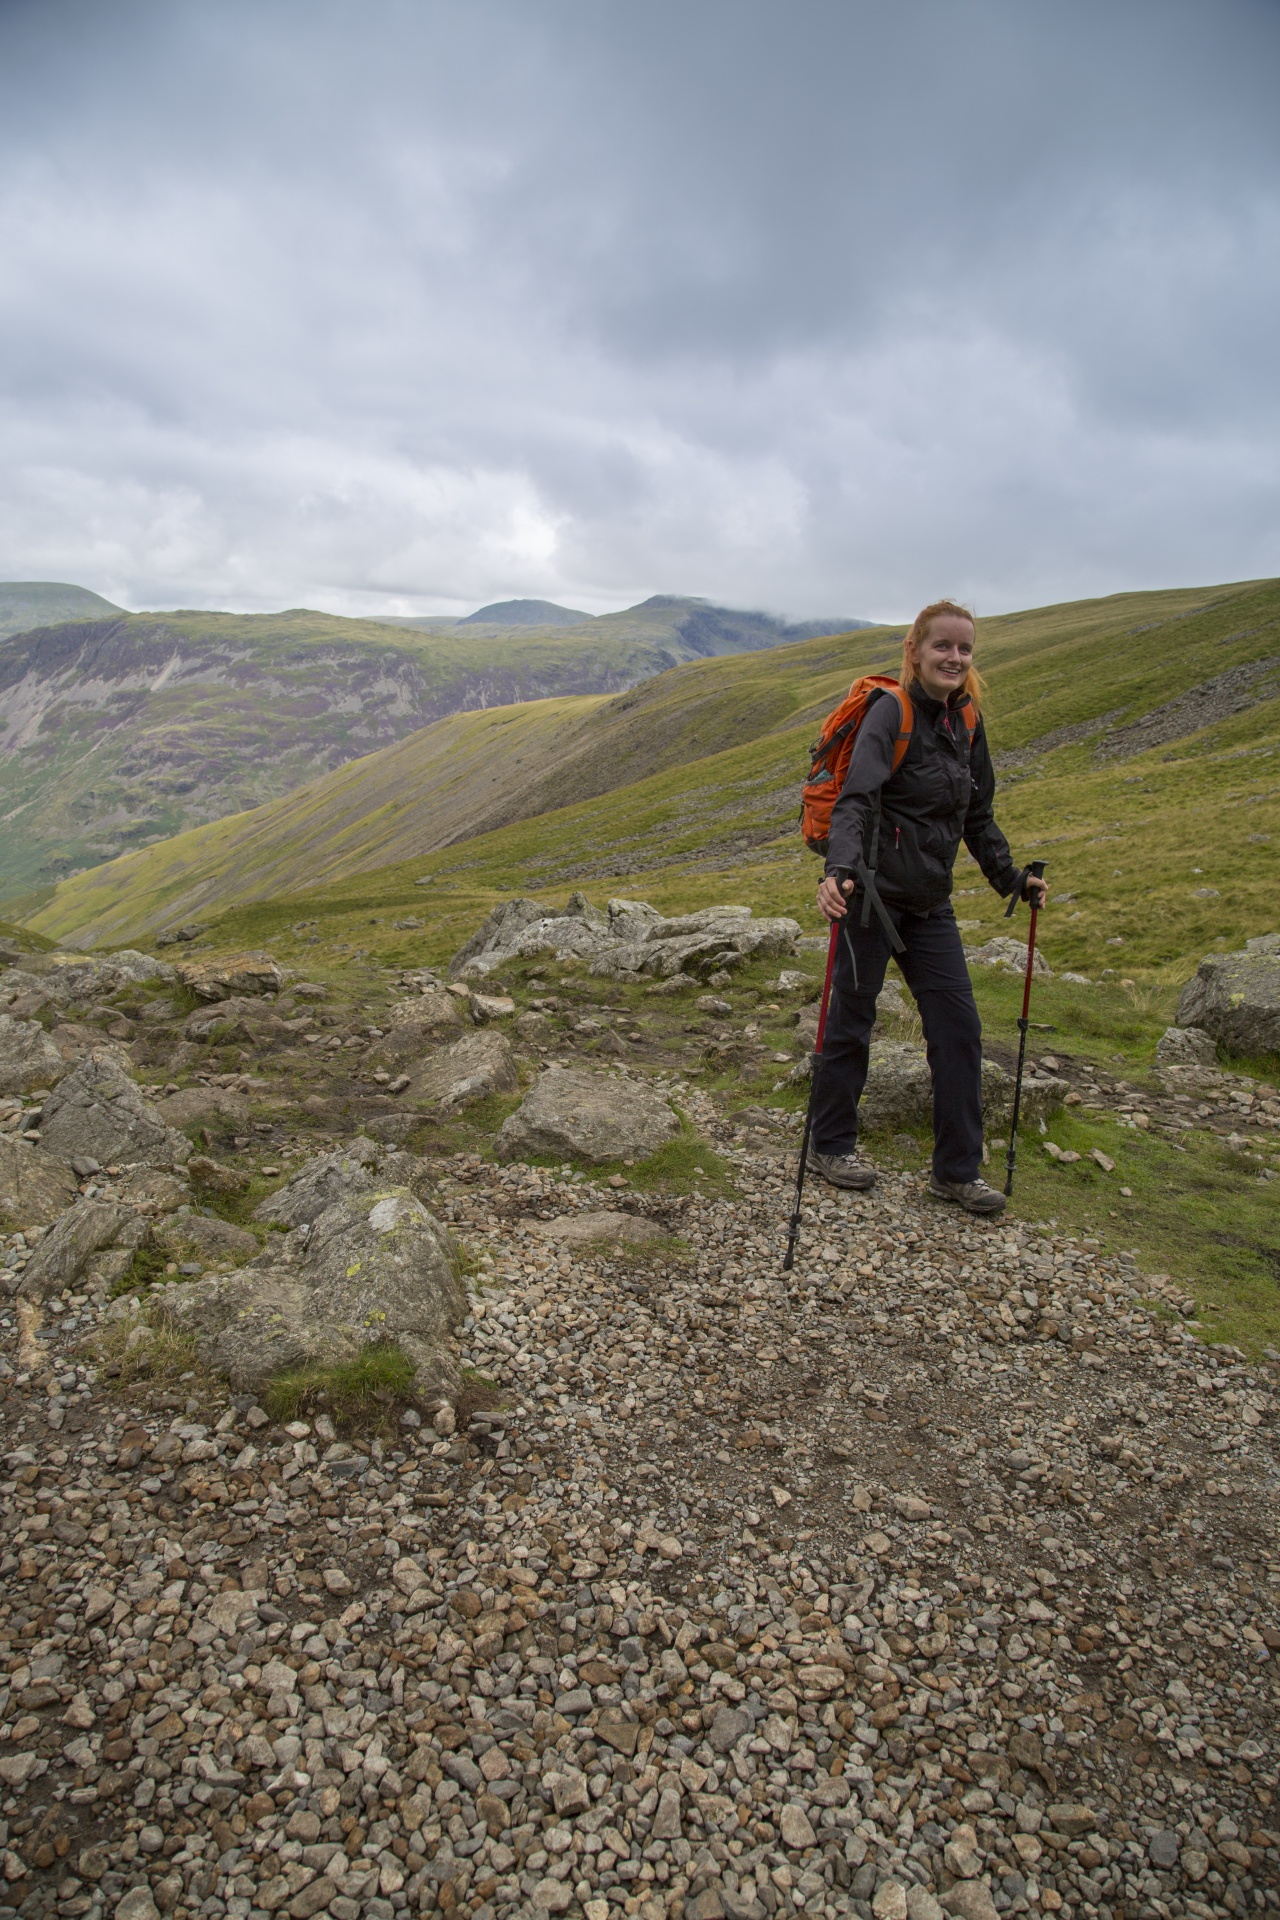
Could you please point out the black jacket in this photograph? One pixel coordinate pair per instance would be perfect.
(941, 794)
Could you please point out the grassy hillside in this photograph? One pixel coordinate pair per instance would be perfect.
(685, 789)
(44, 603)
(117, 733)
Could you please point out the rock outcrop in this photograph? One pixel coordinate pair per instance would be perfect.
(67, 977)
(67, 1249)
(373, 1269)
(365, 1166)
(1009, 956)
(479, 1064)
(418, 1025)
(629, 942)
(898, 1092)
(587, 1116)
(242, 973)
(98, 1113)
(1186, 1047)
(1235, 997)
(205, 1106)
(28, 1057)
(35, 1186)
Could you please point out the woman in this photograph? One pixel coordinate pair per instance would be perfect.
(907, 827)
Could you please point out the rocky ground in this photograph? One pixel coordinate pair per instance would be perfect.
(939, 1574)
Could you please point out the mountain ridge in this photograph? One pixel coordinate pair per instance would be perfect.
(124, 730)
(697, 772)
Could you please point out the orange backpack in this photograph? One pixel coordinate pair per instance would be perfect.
(834, 751)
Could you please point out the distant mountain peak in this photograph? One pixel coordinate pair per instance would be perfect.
(525, 613)
(25, 604)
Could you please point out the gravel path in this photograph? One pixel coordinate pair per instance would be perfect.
(941, 1574)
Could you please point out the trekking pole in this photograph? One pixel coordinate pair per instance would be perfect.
(1035, 872)
(813, 1085)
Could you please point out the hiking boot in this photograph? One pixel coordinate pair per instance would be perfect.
(843, 1170)
(975, 1196)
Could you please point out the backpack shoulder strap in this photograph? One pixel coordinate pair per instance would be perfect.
(906, 721)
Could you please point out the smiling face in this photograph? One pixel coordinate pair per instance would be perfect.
(945, 654)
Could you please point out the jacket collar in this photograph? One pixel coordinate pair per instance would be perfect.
(933, 708)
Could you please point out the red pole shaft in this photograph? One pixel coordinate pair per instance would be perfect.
(1031, 956)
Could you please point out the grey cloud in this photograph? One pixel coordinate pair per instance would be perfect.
(414, 306)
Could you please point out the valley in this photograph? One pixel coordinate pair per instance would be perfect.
(121, 731)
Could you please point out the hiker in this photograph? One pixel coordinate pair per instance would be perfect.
(906, 824)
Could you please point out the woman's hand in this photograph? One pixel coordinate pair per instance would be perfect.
(1035, 890)
(832, 897)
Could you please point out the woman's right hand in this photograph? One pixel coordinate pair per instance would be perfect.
(833, 897)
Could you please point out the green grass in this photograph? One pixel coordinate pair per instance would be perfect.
(359, 1392)
(687, 785)
(25, 938)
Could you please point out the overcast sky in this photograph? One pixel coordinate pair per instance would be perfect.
(827, 306)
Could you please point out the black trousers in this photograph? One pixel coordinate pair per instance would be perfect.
(934, 968)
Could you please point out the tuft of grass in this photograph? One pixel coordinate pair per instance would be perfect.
(685, 1165)
(361, 1392)
(146, 1347)
(146, 1269)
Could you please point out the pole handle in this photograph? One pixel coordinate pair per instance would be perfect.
(1034, 870)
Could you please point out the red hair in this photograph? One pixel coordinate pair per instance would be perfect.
(918, 630)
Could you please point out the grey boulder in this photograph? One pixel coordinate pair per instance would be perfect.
(67, 977)
(35, 1186)
(417, 1026)
(499, 932)
(183, 1234)
(1009, 956)
(1235, 997)
(205, 1106)
(99, 1113)
(899, 1091)
(374, 1269)
(217, 1022)
(481, 1063)
(1186, 1047)
(630, 939)
(66, 1250)
(28, 1057)
(587, 1116)
(360, 1168)
(586, 1229)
